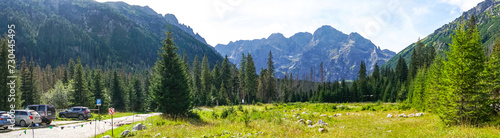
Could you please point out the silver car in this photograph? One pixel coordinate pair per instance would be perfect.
(27, 117)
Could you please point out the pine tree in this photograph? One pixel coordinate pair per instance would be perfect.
(4, 88)
(196, 87)
(216, 76)
(71, 66)
(26, 84)
(206, 80)
(250, 79)
(401, 70)
(118, 93)
(225, 72)
(81, 94)
(138, 92)
(100, 92)
(170, 87)
(463, 70)
(271, 90)
(241, 73)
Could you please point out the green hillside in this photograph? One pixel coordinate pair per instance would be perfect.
(111, 34)
(487, 15)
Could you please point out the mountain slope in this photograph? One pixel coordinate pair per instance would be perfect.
(110, 34)
(487, 15)
(339, 52)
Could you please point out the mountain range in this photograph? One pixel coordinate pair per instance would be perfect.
(487, 15)
(113, 34)
(341, 54)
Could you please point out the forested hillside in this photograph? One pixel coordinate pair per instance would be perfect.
(112, 34)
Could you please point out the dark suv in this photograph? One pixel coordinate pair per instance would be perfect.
(82, 113)
(48, 112)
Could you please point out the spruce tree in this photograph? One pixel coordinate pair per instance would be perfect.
(271, 90)
(170, 86)
(81, 96)
(250, 79)
(117, 93)
(196, 87)
(26, 84)
(99, 91)
(4, 88)
(206, 80)
(463, 70)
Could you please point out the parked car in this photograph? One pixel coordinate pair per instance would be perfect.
(27, 117)
(5, 120)
(82, 113)
(48, 112)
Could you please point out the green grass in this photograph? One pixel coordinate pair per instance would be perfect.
(271, 120)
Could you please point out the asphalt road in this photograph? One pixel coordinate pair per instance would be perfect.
(61, 129)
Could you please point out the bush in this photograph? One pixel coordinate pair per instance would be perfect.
(245, 118)
(226, 112)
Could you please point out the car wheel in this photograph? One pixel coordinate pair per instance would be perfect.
(48, 122)
(6, 127)
(80, 117)
(62, 116)
(22, 123)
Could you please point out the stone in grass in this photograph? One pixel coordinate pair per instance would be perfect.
(301, 121)
(138, 126)
(323, 115)
(125, 133)
(107, 136)
(157, 135)
(322, 130)
(321, 122)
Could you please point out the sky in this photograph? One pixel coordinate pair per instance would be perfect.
(390, 24)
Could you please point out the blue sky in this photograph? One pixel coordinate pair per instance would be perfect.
(390, 24)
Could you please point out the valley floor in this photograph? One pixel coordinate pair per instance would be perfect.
(283, 120)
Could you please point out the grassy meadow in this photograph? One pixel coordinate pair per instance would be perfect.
(280, 120)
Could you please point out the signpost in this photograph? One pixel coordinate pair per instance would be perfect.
(98, 102)
(111, 112)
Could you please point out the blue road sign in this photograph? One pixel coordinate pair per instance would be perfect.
(98, 101)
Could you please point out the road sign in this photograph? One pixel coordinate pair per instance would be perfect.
(111, 111)
(98, 101)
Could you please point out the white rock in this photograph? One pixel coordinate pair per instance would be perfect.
(157, 135)
(321, 130)
(137, 127)
(411, 115)
(389, 116)
(419, 114)
(107, 136)
(323, 115)
(125, 133)
(403, 115)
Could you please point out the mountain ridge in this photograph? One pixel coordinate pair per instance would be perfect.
(302, 51)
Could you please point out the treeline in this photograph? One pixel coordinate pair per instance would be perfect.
(127, 89)
(462, 86)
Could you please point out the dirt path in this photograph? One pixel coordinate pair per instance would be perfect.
(78, 130)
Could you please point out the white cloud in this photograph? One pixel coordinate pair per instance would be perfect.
(421, 10)
(463, 4)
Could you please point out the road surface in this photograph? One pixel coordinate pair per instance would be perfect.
(76, 130)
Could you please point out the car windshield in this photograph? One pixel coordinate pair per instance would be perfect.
(4, 115)
(34, 113)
